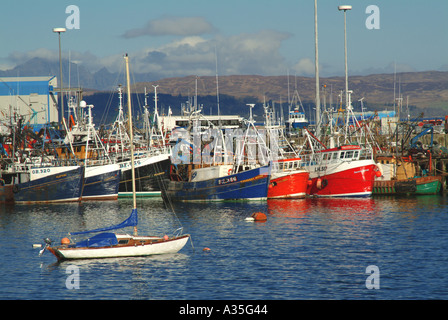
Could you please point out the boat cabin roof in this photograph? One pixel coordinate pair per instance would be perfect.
(342, 148)
(288, 160)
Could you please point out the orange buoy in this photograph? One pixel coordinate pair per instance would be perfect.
(206, 249)
(259, 216)
(378, 173)
(165, 237)
(65, 241)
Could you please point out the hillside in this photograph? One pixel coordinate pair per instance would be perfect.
(425, 91)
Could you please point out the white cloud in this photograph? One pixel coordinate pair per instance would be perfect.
(87, 59)
(192, 41)
(254, 53)
(247, 53)
(304, 67)
(21, 57)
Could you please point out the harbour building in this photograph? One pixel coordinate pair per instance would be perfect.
(34, 98)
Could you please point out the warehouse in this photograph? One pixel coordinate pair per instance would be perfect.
(32, 97)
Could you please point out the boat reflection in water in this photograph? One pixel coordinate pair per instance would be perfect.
(290, 208)
(300, 208)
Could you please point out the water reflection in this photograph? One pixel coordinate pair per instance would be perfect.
(325, 208)
(294, 208)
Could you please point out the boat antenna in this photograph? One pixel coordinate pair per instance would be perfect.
(131, 137)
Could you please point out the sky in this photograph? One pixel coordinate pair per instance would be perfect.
(172, 38)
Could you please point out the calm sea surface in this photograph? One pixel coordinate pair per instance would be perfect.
(307, 249)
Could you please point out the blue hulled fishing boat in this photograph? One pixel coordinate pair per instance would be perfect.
(218, 183)
(45, 184)
(209, 166)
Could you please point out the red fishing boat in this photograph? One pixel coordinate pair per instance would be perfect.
(288, 179)
(345, 171)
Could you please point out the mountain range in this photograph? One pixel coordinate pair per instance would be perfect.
(421, 91)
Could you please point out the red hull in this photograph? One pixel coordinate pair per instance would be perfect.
(291, 185)
(354, 182)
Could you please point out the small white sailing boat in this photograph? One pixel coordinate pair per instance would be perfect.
(113, 245)
(109, 244)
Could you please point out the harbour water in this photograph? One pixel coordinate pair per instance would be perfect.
(307, 249)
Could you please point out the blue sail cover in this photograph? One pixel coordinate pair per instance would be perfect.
(132, 221)
(100, 240)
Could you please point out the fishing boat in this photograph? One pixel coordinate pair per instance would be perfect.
(343, 171)
(399, 177)
(211, 173)
(149, 169)
(107, 244)
(101, 182)
(346, 168)
(151, 154)
(83, 144)
(288, 179)
(31, 171)
(413, 186)
(296, 121)
(296, 116)
(44, 184)
(217, 183)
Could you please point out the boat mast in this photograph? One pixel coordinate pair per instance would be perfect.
(131, 136)
(217, 90)
(316, 58)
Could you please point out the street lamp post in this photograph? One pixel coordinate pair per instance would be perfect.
(59, 31)
(345, 8)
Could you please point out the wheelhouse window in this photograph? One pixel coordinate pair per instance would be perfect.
(349, 154)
